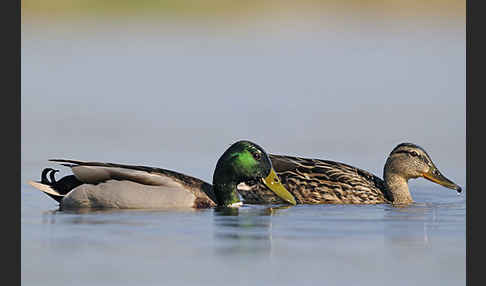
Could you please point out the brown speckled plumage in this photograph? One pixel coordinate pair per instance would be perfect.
(314, 181)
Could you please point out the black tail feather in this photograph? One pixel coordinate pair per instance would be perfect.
(66, 184)
(63, 186)
(52, 177)
(44, 179)
(57, 198)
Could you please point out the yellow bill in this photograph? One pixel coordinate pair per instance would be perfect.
(272, 181)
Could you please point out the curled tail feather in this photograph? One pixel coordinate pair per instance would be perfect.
(55, 189)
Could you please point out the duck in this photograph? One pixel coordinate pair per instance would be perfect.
(96, 185)
(316, 181)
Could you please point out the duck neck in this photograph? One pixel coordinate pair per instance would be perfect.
(397, 188)
(225, 192)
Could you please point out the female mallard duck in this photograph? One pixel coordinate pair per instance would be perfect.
(314, 181)
(107, 185)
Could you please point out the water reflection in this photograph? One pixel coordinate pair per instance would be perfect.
(49, 217)
(245, 230)
(92, 216)
(410, 226)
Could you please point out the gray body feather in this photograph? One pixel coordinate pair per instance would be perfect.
(108, 185)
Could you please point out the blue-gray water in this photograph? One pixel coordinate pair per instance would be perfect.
(177, 96)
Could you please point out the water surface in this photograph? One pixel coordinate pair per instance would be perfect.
(423, 244)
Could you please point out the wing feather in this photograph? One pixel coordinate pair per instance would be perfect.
(319, 181)
(98, 172)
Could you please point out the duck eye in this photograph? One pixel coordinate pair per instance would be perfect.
(413, 153)
(257, 156)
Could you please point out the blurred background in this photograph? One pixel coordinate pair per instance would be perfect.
(174, 83)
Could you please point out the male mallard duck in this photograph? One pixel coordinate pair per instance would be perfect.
(107, 185)
(314, 181)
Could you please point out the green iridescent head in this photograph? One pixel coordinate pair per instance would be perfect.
(245, 161)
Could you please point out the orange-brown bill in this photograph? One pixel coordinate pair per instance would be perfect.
(435, 176)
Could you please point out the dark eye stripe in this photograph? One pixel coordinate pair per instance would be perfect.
(411, 153)
(414, 154)
(403, 151)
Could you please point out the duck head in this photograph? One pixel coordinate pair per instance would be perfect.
(410, 161)
(242, 162)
